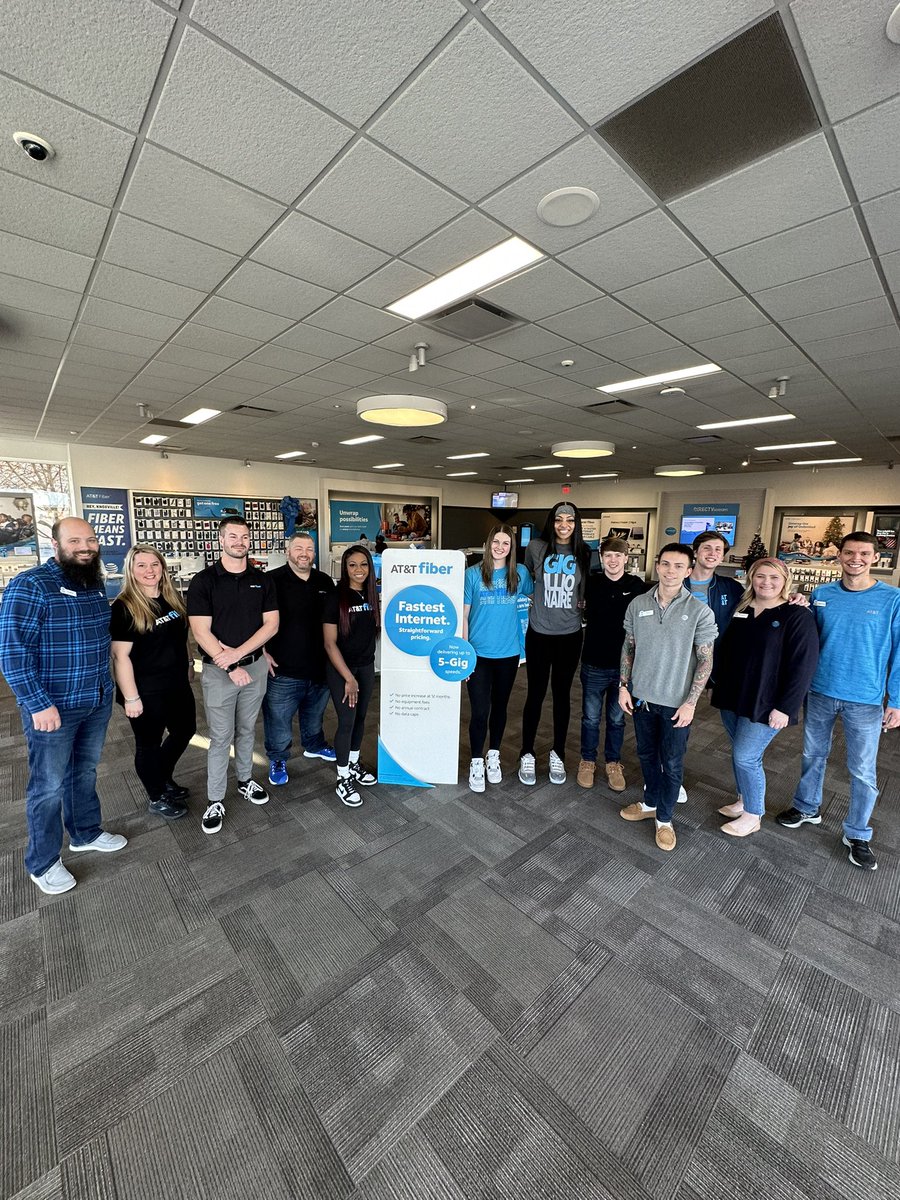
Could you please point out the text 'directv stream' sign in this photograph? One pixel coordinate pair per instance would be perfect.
(423, 661)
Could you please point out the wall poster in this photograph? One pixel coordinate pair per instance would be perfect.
(106, 509)
(18, 531)
(702, 518)
(812, 539)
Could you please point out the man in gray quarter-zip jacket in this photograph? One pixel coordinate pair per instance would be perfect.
(666, 661)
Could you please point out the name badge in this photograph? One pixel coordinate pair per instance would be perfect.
(645, 614)
(67, 592)
(820, 603)
(740, 616)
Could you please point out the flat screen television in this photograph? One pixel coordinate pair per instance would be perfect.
(504, 500)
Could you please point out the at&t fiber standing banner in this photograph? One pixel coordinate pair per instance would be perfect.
(423, 662)
(106, 509)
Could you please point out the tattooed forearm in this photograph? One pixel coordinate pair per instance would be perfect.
(627, 661)
(704, 666)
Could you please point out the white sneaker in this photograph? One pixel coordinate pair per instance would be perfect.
(494, 773)
(55, 879)
(476, 775)
(682, 796)
(557, 768)
(107, 843)
(526, 770)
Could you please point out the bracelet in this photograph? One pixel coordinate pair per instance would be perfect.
(131, 700)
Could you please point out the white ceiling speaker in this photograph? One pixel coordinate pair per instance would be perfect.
(568, 206)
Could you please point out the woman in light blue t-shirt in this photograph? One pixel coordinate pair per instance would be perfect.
(491, 623)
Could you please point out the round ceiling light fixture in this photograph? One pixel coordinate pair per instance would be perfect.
(568, 206)
(585, 449)
(892, 29)
(401, 411)
(680, 470)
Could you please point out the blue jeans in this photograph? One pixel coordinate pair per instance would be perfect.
(62, 784)
(284, 697)
(660, 748)
(862, 734)
(599, 684)
(749, 740)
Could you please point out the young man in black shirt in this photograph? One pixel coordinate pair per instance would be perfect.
(233, 611)
(607, 594)
(296, 660)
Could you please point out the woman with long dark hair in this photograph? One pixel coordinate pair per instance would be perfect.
(491, 624)
(351, 620)
(153, 673)
(769, 655)
(559, 561)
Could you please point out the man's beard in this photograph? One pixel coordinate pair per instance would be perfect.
(88, 574)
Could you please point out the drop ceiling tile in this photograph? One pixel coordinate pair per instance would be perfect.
(883, 218)
(319, 342)
(541, 291)
(775, 193)
(213, 341)
(738, 345)
(375, 198)
(664, 360)
(480, 77)
(593, 320)
(123, 45)
(871, 151)
(462, 239)
(403, 340)
(649, 246)
(768, 362)
(223, 113)
(831, 289)
(179, 195)
(810, 249)
(295, 361)
(154, 251)
(109, 315)
(347, 56)
(46, 215)
(316, 252)
(245, 373)
(854, 63)
(389, 283)
(584, 360)
(117, 283)
(891, 265)
(112, 339)
(583, 164)
(849, 318)
(273, 291)
(527, 342)
(239, 318)
(353, 319)
(866, 342)
(473, 360)
(730, 317)
(377, 359)
(45, 264)
(342, 372)
(473, 387)
(36, 297)
(697, 286)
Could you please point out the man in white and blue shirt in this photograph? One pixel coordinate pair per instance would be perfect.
(858, 679)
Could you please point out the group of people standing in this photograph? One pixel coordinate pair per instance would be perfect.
(285, 640)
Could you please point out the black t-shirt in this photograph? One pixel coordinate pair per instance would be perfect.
(236, 603)
(358, 648)
(605, 601)
(298, 647)
(159, 658)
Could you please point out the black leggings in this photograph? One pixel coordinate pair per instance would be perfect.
(553, 659)
(155, 755)
(490, 686)
(351, 721)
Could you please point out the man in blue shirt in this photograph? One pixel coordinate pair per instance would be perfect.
(858, 678)
(720, 592)
(54, 652)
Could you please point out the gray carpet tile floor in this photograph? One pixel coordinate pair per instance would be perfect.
(450, 996)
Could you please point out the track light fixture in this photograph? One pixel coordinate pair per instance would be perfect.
(417, 358)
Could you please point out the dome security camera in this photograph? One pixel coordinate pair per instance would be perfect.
(35, 147)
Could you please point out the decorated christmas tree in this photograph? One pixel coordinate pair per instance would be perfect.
(834, 532)
(757, 549)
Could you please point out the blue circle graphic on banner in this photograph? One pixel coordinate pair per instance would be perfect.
(453, 659)
(419, 617)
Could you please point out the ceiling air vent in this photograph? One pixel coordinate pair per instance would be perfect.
(422, 439)
(704, 440)
(472, 321)
(252, 408)
(609, 408)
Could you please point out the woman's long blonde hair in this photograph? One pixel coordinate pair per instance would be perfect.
(748, 596)
(487, 561)
(132, 595)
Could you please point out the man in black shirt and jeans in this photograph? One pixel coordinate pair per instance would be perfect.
(607, 594)
(233, 611)
(296, 660)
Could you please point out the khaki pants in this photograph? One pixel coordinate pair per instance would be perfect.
(231, 714)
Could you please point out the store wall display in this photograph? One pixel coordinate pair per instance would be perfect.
(701, 518)
(886, 529)
(807, 538)
(169, 522)
(396, 520)
(18, 529)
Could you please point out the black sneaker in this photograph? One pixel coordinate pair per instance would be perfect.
(253, 792)
(347, 793)
(361, 776)
(167, 807)
(174, 791)
(861, 854)
(793, 818)
(212, 818)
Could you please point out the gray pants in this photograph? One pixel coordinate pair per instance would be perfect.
(231, 714)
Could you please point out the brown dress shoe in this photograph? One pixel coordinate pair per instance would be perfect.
(615, 777)
(636, 812)
(586, 773)
(665, 837)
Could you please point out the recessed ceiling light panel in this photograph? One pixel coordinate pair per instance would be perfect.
(199, 415)
(747, 421)
(471, 277)
(630, 385)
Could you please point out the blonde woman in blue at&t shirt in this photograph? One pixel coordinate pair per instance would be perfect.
(491, 623)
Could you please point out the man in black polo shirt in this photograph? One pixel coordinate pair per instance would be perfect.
(296, 658)
(233, 611)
